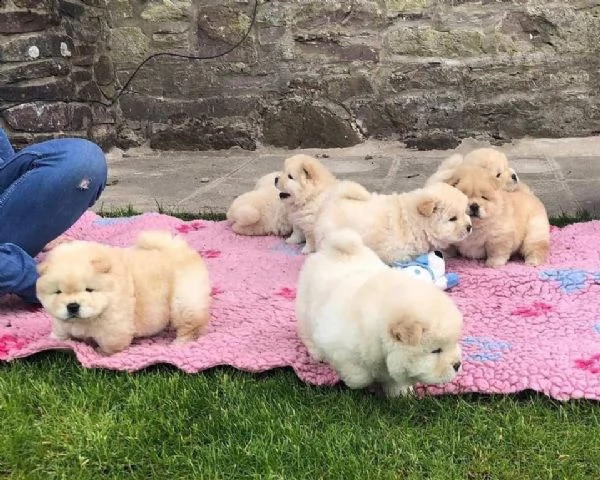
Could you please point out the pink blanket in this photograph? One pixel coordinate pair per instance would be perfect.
(525, 328)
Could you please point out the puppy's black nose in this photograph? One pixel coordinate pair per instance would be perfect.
(276, 180)
(283, 195)
(474, 209)
(514, 177)
(72, 308)
(469, 228)
(456, 366)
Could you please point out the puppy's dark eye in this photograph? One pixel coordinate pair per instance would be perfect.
(484, 198)
(498, 174)
(290, 176)
(58, 292)
(437, 350)
(89, 290)
(453, 219)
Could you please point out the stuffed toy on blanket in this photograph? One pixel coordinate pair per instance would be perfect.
(430, 267)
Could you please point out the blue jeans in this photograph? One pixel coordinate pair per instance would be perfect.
(44, 189)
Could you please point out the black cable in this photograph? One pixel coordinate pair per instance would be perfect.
(146, 60)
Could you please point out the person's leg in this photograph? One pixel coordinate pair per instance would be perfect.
(44, 189)
(6, 149)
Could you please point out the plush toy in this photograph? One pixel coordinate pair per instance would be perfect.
(431, 268)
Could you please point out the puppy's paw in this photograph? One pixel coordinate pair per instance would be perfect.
(393, 390)
(534, 260)
(293, 239)
(55, 335)
(495, 262)
(307, 249)
(110, 347)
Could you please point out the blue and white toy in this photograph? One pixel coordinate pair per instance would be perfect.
(431, 268)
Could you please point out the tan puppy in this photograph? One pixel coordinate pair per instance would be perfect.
(303, 186)
(113, 295)
(504, 223)
(373, 323)
(397, 227)
(261, 211)
(494, 161)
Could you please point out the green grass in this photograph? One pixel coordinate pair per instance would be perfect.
(207, 214)
(62, 421)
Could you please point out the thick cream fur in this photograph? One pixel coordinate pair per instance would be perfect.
(373, 323)
(124, 293)
(397, 227)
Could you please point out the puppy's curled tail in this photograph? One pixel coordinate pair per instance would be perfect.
(352, 191)
(159, 240)
(344, 241)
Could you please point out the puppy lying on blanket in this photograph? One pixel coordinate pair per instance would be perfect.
(504, 223)
(261, 211)
(113, 295)
(398, 227)
(373, 323)
(491, 160)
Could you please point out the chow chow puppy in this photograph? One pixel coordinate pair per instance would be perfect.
(373, 323)
(397, 227)
(504, 223)
(303, 186)
(113, 295)
(261, 211)
(494, 161)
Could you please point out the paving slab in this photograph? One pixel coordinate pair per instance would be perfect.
(565, 173)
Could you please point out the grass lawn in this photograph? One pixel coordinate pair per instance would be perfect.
(62, 421)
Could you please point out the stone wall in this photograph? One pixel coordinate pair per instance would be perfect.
(53, 67)
(313, 73)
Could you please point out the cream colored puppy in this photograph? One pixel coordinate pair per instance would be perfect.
(261, 211)
(373, 323)
(112, 295)
(504, 223)
(494, 161)
(303, 186)
(397, 227)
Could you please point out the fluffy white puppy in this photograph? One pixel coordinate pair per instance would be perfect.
(373, 323)
(261, 211)
(398, 227)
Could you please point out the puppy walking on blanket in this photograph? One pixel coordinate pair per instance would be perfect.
(113, 295)
(373, 323)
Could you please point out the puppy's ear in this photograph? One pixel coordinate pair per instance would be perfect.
(407, 331)
(101, 264)
(42, 268)
(310, 169)
(427, 205)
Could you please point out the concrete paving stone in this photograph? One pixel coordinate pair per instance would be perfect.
(587, 195)
(565, 173)
(580, 168)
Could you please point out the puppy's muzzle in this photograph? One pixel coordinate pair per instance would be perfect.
(73, 309)
(514, 177)
(283, 195)
(456, 366)
(474, 210)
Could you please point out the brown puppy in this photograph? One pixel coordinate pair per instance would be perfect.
(303, 185)
(504, 223)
